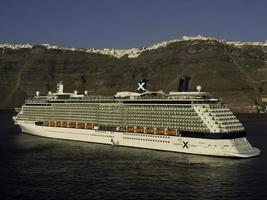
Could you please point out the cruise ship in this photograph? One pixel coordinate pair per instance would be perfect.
(182, 121)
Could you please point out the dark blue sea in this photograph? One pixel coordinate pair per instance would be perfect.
(33, 167)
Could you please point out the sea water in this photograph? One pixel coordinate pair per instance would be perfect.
(33, 167)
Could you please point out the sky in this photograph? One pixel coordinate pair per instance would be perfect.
(129, 23)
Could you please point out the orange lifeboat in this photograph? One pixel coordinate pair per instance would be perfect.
(149, 130)
(88, 126)
(51, 123)
(71, 125)
(58, 124)
(130, 129)
(170, 132)
(122, 129)
(64, 124)
(159, 131)
(79, 125)
(139, 130)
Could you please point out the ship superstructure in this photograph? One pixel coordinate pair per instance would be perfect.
(180, 121)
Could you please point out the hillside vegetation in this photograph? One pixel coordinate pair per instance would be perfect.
(236, 74)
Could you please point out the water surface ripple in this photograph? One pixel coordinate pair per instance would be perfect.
(41, 168)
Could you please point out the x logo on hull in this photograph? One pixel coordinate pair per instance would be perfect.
(185, 145)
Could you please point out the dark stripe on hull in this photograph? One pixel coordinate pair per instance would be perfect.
(206, 135)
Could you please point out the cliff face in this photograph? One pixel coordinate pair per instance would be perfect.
(236, 74)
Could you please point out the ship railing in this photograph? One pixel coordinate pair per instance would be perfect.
(17, 110)
(31, 101)
(98, 97)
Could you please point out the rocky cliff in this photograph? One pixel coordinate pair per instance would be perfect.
(236, 72)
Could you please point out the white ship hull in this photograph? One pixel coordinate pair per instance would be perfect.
(238, 147)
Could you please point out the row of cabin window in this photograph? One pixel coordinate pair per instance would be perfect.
(109, 136)
(146, 140)
(112, 118)
(154, 136)
(166, 119)
(123, 108)
(64, 113)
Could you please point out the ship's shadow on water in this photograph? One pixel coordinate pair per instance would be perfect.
(41, 168)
